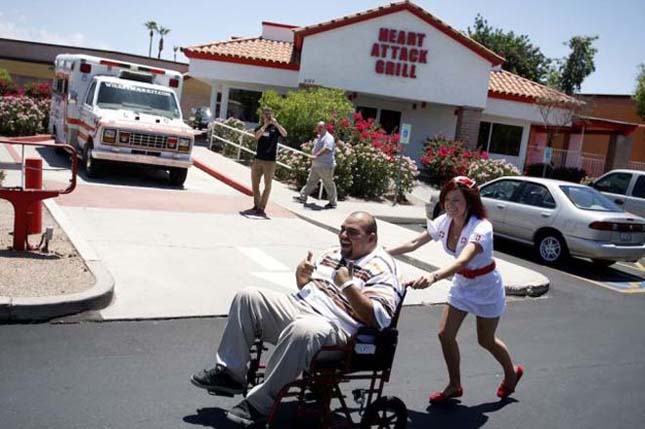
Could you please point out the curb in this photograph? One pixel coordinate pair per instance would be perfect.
(43, 308)
(219, 176)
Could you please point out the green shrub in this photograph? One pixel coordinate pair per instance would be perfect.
(485, 170)
(300, 110)
(444, 159)
(230, 135)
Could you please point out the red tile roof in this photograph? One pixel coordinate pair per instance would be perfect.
(254, 51)
(509, 86)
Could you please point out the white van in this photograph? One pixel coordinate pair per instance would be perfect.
(120, 112)
(624, 187)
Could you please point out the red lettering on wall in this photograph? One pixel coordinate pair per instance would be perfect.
(395, 50)
(403, 56)
(389, 68)
(383, 34)
(402, 48)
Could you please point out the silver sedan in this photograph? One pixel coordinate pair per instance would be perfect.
(561, 219)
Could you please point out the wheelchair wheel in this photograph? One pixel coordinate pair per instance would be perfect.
(387, 412)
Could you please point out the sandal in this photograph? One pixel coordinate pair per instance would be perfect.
(503, 391)
(442, 398)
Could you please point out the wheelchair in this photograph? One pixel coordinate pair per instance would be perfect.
(368, 356)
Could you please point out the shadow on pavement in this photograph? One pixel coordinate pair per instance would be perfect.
(456, 415)
(210, 417)
(112, 174)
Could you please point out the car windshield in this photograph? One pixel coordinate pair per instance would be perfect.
(589, 199)
(114, 95)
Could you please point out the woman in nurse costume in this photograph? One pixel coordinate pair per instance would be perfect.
(477, 286)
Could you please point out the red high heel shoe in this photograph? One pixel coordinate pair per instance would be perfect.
(441, 398)
(503, 391)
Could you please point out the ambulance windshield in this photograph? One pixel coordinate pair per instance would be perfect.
(143, 99)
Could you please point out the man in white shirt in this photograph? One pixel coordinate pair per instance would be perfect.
(349, 286)
(322, 167)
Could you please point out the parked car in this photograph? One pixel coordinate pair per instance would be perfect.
(560, 219)
(624, 187)
(201, 117)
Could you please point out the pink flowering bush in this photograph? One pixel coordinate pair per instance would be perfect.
(485, 170)
(444, 159)
(22, 115)
(367, 160)
(23, 111)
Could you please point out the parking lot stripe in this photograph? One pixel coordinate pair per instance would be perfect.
(631, 289)
(268, 262)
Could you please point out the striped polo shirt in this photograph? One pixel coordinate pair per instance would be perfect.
(375, 274)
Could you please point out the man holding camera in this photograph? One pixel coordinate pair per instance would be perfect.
(264, 164)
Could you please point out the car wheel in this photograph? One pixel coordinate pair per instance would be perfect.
(177, 176)
(603, 263)
(551, 248)
(92, 166)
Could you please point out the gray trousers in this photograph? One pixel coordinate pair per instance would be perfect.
(277, 318)
(326, 174)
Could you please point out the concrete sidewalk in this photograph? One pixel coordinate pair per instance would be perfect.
(517, 280)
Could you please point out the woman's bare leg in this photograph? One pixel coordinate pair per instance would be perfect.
(486, 336)
(451, 320)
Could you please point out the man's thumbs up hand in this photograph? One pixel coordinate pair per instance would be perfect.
(304, 270)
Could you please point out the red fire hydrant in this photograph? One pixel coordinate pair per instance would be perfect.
(34, 180)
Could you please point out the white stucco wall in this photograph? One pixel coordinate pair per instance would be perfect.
(256, 75)
(426, 122)
(517, 110)
(453, 75)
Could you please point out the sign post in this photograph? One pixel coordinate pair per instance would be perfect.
(546, 158)
(404, 139)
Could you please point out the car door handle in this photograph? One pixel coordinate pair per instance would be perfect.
(501, 206)
(619, 202)
(545, 214)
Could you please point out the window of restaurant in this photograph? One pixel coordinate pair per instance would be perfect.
(244, 104)
(500, 138)
(390, 120)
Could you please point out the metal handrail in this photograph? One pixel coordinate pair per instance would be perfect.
(240, 147)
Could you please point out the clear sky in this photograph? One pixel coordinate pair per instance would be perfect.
(118, 25)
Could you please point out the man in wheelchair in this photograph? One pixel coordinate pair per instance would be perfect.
(348, 287)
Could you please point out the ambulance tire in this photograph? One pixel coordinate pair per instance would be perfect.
(177, 176)
(92, 166)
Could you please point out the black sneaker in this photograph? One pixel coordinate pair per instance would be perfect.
(217, 380)
(299, 199)
(245, 415)
(261, 213)
(330, 206)
(252, 212)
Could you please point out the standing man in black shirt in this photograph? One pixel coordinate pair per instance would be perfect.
(264, 163)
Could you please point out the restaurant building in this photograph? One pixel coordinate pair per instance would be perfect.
(398, 64)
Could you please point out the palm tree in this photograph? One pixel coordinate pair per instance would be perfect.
(175, 49)
(152, 26)
(162, 32)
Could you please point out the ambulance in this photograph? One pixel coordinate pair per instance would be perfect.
(119, 112)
